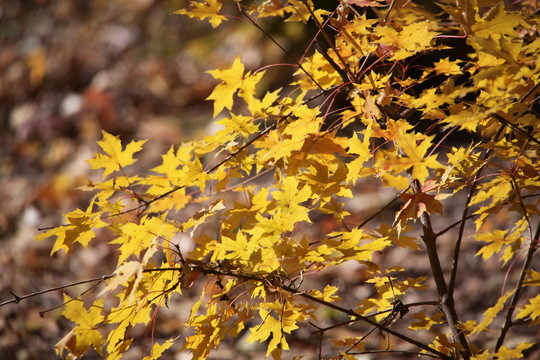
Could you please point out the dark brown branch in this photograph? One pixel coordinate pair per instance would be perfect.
(446, 299)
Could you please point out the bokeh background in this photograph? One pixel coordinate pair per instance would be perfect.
(69, 69)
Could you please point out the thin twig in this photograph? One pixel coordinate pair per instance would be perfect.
(279, 46)
(18, 298)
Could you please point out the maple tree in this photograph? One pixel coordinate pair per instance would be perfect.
(312, 153)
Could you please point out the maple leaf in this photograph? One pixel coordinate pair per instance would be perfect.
(418, 203)
(534, 278)
(122, 274)
(290, 197)
(114, 158)
(447, 67)
(208, 9)
(158, 349)
(416, 156)
(532, 309)
(124, 317)
(425, 322)
(413, 158)
(301, 13)
(85, 334)
(506, 353)
(411, 39)
(327, 294)
(362, 149)
(503, 23)
(136, 238)
(496, 240)
(263, 107)
(490, 313)
(238, 124)
(274, 328)
(80, 229)
(233, 80)
(463, 16)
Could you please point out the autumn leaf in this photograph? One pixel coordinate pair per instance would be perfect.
(490, 313)
(362, 150)
(207, 9)
(505, 353)
(422, 321)
(85, 334)
(417, 204)
(531, 309)
(327, 294)
(114, 157)
(411, 39)
(503, 23)
(121, 275)
(275, 328)
(233, 80)
(158, 349)
(79, 229)
(497, 240)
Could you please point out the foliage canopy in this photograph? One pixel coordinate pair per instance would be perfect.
(312, 152)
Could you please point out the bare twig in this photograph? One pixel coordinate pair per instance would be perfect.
(279, 46)
(18, 298)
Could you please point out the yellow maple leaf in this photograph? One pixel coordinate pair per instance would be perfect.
(425, 322)
(114, 157)
(85, 334)
(490, 313)
(208, 9)
(411, 39)
(506, 353)
(274, 328)
(327, 294)
(414, 148)
(362, 149)
(136, 238)
(447, 67)
(532, 309)
(157, 349)
(80, 229)
(301, 13)
(290, 197)
(503, 23)
(497, 239)
(122, 275)
(233, 80)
